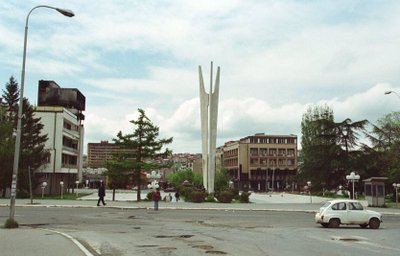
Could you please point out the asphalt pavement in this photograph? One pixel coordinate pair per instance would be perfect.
(37, 241)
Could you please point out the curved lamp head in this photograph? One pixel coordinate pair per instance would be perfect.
(388, 92)
(66, 12)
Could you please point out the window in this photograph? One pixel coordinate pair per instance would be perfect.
(355, 206)
(339, 206)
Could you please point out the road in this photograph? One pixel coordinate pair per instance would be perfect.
(108, 231)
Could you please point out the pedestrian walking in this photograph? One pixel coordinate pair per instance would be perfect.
(156, 198)
(101, 193)
(177, 195)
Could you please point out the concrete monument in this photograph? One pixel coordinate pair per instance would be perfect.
(209, 117)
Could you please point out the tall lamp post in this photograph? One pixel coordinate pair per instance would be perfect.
(64, 12)
(396, 187)
(353, 178)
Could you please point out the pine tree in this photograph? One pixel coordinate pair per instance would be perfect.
(33, 153)
(8, 110)
(11, 98)
(141, 148)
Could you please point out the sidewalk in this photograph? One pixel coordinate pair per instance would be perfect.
(258, 202)
(46, 242)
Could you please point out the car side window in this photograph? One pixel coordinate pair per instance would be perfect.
(339, 206)
(355, 206)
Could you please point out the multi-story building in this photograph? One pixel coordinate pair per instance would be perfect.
(60, 112)
(98, 153)
(261, 162)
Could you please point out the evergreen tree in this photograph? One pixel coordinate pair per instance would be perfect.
(11, 98)
(330, 150)
(6, 150)
(32, 153)
(141, 148)
(318, 151)
(8, 110)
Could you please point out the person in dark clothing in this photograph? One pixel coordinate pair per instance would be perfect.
(156, 198)
(101, 194)
(177, 195)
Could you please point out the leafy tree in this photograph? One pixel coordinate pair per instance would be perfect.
(385, 150)
(222, 179)
(177, 178)
(142, 147)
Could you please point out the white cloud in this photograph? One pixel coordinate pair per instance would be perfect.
(276, 58)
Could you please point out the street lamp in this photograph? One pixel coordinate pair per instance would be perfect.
(309, 190)
(396, 187)
(154, 176)
(353, 178)
(77, 186)
(389, 92)
(67, 13)
(62, 189)
(43, 186)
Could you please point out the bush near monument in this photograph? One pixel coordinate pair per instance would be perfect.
(225, 196)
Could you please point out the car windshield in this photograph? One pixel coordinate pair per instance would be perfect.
(326, 205)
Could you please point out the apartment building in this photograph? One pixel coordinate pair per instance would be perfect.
(261, 162)
(60, 111)
(99, 153)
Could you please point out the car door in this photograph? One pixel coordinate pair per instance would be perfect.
(356, 213)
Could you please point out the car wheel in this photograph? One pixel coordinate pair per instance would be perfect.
(374, 223)
(325, 225)
(334, 223)
(363, 225)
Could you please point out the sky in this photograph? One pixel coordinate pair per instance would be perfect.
(277, 59)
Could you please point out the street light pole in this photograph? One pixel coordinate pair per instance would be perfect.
(67, 13)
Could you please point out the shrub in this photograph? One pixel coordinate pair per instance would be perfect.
(186, 193)
(210, 198)
(149, 196)
(197, 196)
(244, 197)
(225, 196)
(23, 194)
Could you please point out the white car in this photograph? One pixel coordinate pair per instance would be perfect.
(350, 212)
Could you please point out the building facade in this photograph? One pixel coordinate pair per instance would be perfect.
(261, 162)
(98, 153)
(65, 140)
(60, 112)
